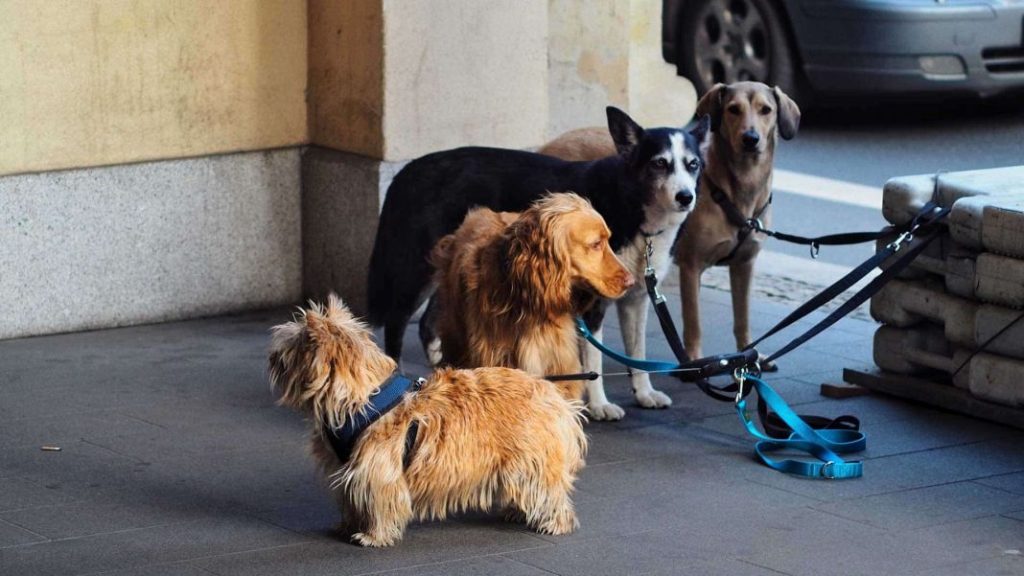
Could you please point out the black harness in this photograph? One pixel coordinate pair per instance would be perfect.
(745, 226)
(391, 393)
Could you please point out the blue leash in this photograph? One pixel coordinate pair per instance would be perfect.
(825, 445)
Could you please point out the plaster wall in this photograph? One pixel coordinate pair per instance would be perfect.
(97, 82)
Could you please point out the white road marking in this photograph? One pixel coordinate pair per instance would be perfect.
(828, 189)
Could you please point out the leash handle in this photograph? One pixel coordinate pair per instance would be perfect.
(824, 445)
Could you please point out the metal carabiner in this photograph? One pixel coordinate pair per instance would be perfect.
(896, 244)
(739, 375)
(815, 248)
(648, 252)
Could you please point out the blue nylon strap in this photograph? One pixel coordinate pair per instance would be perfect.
(645, 365)
(825, 445)
(390, 393)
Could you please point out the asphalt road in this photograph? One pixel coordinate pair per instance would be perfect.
(868, 147)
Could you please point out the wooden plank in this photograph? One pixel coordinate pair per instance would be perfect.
(940, 395)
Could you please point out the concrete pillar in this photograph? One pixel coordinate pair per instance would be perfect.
(605, 52)
(391, 80)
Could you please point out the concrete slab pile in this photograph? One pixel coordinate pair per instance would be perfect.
(956, 315)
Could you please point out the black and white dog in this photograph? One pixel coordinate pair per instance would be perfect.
(644, 193)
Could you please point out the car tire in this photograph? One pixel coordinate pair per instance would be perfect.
(735, 40)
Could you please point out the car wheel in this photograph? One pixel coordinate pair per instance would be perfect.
(733, 41)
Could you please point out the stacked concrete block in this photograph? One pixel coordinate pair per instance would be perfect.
(955, 315)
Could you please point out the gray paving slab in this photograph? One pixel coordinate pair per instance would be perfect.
(1005, 565)
(175, 569)
(12, 535)
(1010, 482)
(422, 544)
(969, 540)
(175, 461)
(481, 566)
(155, 545)
(929, 506)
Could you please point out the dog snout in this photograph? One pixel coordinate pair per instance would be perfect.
(684, 198)
(628, 280)
(750, 139)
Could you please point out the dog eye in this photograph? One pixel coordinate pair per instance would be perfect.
(660, 163)
(693, 164)
(765, 110)
(734, 109)
(595, 245)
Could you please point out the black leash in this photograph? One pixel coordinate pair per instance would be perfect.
(924, 222)
(925, 217)
(747, 226)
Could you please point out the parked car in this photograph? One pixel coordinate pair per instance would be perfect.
(845, 49)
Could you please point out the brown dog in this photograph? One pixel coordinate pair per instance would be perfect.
(508, 284)
(746, 119)
(479, 438)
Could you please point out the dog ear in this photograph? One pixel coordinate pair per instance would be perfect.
(625, 132)
(701, 131)
(539, 268)
(710, 104)
(789, 114)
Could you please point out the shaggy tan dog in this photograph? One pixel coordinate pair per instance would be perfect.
(482, 438)
(510, 285)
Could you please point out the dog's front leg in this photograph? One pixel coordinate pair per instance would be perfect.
(633, 320)
(741, 276)
(597, 403)
(689, 284)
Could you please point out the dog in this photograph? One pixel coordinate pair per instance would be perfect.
(508, 286)
(746, 120)
(644, 189)
(480, 438)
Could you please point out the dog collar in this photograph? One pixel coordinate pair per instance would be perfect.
(651, 234)
(391, 392)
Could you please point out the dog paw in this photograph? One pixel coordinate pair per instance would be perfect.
(434, 352)
(767, 366)
(653, 399)
(606, 411)
(371, 541)
(563, 523)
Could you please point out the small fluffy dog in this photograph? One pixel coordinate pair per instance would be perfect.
(509, 287)
(466, 439)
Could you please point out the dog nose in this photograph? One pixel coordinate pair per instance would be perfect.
(684, 198)
(750, 139)
(628, 281)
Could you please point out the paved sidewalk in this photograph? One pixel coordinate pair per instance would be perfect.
(175, 461)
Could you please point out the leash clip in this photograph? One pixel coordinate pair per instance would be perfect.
(756, 225)
(648, 252)
(815, 249)
(896, 244)
(740, 376)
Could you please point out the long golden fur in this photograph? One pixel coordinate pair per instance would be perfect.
(509, 286)
(487, 437)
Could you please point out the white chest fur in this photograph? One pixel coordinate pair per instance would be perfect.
(633, 255)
